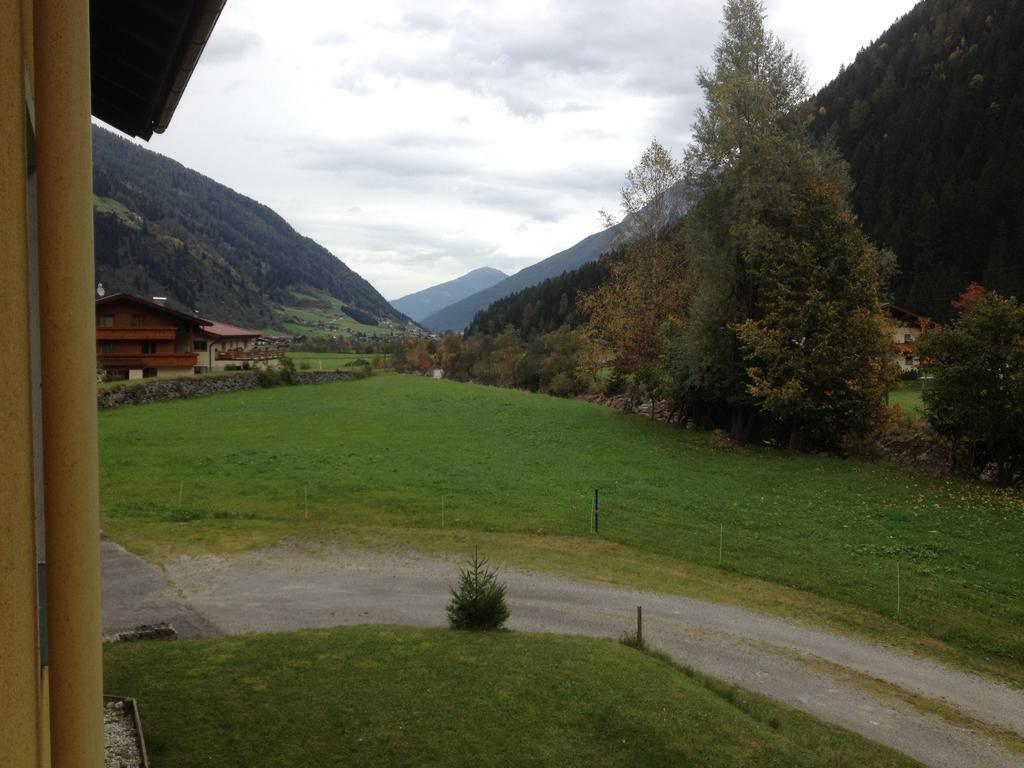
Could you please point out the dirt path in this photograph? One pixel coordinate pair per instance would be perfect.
(137, 593)
(291, 587)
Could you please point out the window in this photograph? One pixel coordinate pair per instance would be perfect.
(108, 347)
(136, 321)
(149, 347)
(106, 321)
(199, 345)
(908, 339)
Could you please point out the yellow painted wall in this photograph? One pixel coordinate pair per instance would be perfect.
(21, 705)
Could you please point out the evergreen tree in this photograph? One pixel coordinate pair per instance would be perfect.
(931, 117)
(786, 320)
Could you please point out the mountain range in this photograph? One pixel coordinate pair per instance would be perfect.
(163, 229)
(424, 303)
(459, 315)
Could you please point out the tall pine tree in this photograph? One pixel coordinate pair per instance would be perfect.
(786, 330)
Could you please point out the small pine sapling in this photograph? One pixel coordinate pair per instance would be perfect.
(479, 600)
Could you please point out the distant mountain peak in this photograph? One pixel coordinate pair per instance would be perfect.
(459, 314)
(428, 301)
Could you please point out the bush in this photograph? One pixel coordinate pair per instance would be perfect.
(616, 384)
(976, 384)
(479, 601)
(633, 640)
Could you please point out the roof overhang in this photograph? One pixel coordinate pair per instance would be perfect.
(143, 54)
(153, 305)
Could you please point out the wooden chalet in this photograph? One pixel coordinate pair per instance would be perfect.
(906, 327)
(139, 338)
(219, 345)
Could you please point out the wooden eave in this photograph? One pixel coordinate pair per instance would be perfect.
(142, 56)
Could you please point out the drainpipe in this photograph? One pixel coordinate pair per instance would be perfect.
(68, 341)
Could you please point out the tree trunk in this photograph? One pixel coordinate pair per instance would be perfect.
(796, 438)
(736, 428)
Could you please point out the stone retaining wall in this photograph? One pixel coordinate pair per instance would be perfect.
(160, 390)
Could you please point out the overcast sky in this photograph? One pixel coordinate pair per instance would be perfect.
(418, 140)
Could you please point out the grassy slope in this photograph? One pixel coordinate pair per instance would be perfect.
(409, 697)
(109, 205)
(317, 314)
(908, 398)
(816, 538)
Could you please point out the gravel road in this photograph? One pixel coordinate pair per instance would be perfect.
(290, 587)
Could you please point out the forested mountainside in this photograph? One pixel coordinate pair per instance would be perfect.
(931, 119)
(163, 229)
(545, 307)
(460, 314)
(428, 301)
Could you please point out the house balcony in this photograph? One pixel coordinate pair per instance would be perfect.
(159, 360)
(249, 355)
(135, 334)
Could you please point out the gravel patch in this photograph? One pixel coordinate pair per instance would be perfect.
(122, 748)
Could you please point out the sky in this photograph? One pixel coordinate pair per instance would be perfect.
(420, 140)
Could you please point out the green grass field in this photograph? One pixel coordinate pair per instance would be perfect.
(373, 462)
(908, 398)
(109, 205)
(394, 697)
(311, 311)
(326, 361)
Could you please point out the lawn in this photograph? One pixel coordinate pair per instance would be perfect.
(393, 697)
(908, 398)
(436, 465)
(326, 361)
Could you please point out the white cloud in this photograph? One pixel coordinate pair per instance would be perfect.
(419, 141)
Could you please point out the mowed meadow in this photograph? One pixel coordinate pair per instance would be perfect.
(393, 696)
(923, 562)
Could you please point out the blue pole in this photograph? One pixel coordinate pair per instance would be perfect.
(596, 516)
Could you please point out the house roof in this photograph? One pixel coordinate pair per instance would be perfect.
(908, 316)
(216, 328)
(142, 56)
(151, 305)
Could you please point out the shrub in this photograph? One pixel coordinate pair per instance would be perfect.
(479, 600)
(974, 395)
(267, 378)
(305, 365)
(286, 371)
(633, 640)
(616, 384)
